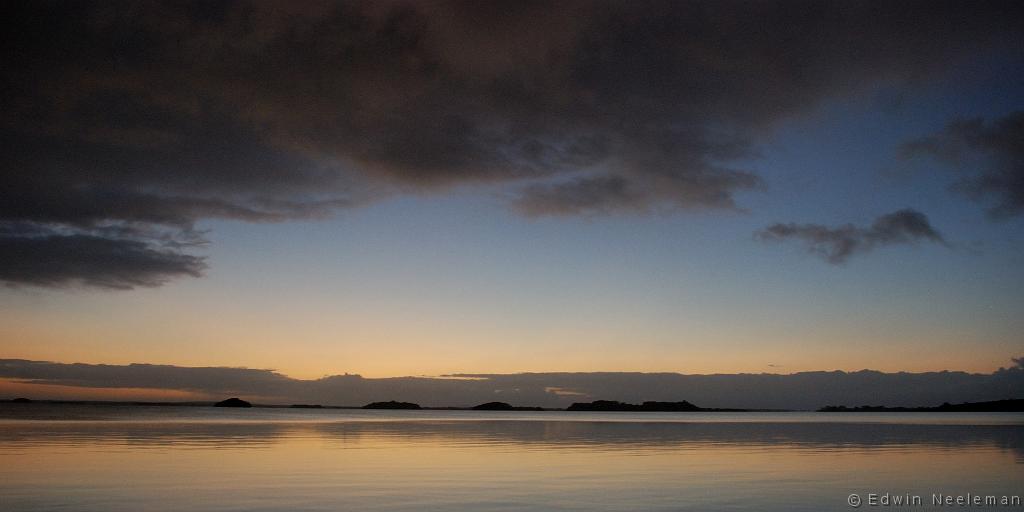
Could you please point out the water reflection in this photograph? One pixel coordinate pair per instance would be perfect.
(233, 461)
(544, 435)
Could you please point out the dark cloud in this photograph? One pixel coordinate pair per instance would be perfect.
(613, 194)
(837, 244)
(804, 390)
(51, 258)
(990, 156)
(163, 114)
(601, 194)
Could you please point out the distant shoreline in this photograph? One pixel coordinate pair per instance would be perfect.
(363, 407)
(1012, 405)
(1016, 405)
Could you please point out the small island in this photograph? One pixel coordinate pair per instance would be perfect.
(502, 406)
(610, 405)
(233, 402)
(391, 404)
(993, 406)
(21, 401)
(493, 406)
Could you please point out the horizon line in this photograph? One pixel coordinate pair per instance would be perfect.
(484, 375)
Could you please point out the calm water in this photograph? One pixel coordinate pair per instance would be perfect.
(113, 458)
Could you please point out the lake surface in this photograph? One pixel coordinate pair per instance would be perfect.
(131, 458)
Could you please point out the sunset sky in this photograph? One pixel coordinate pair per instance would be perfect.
(425, 188)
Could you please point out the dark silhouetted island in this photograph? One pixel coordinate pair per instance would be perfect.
(609, 405)
(994, 406)
(233, 402)
(494, 406)
(392, 405)
(21, 401)
(502, 406)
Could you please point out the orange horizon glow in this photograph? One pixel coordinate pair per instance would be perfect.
(35, 391)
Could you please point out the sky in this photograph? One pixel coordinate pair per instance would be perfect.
(430, 188)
